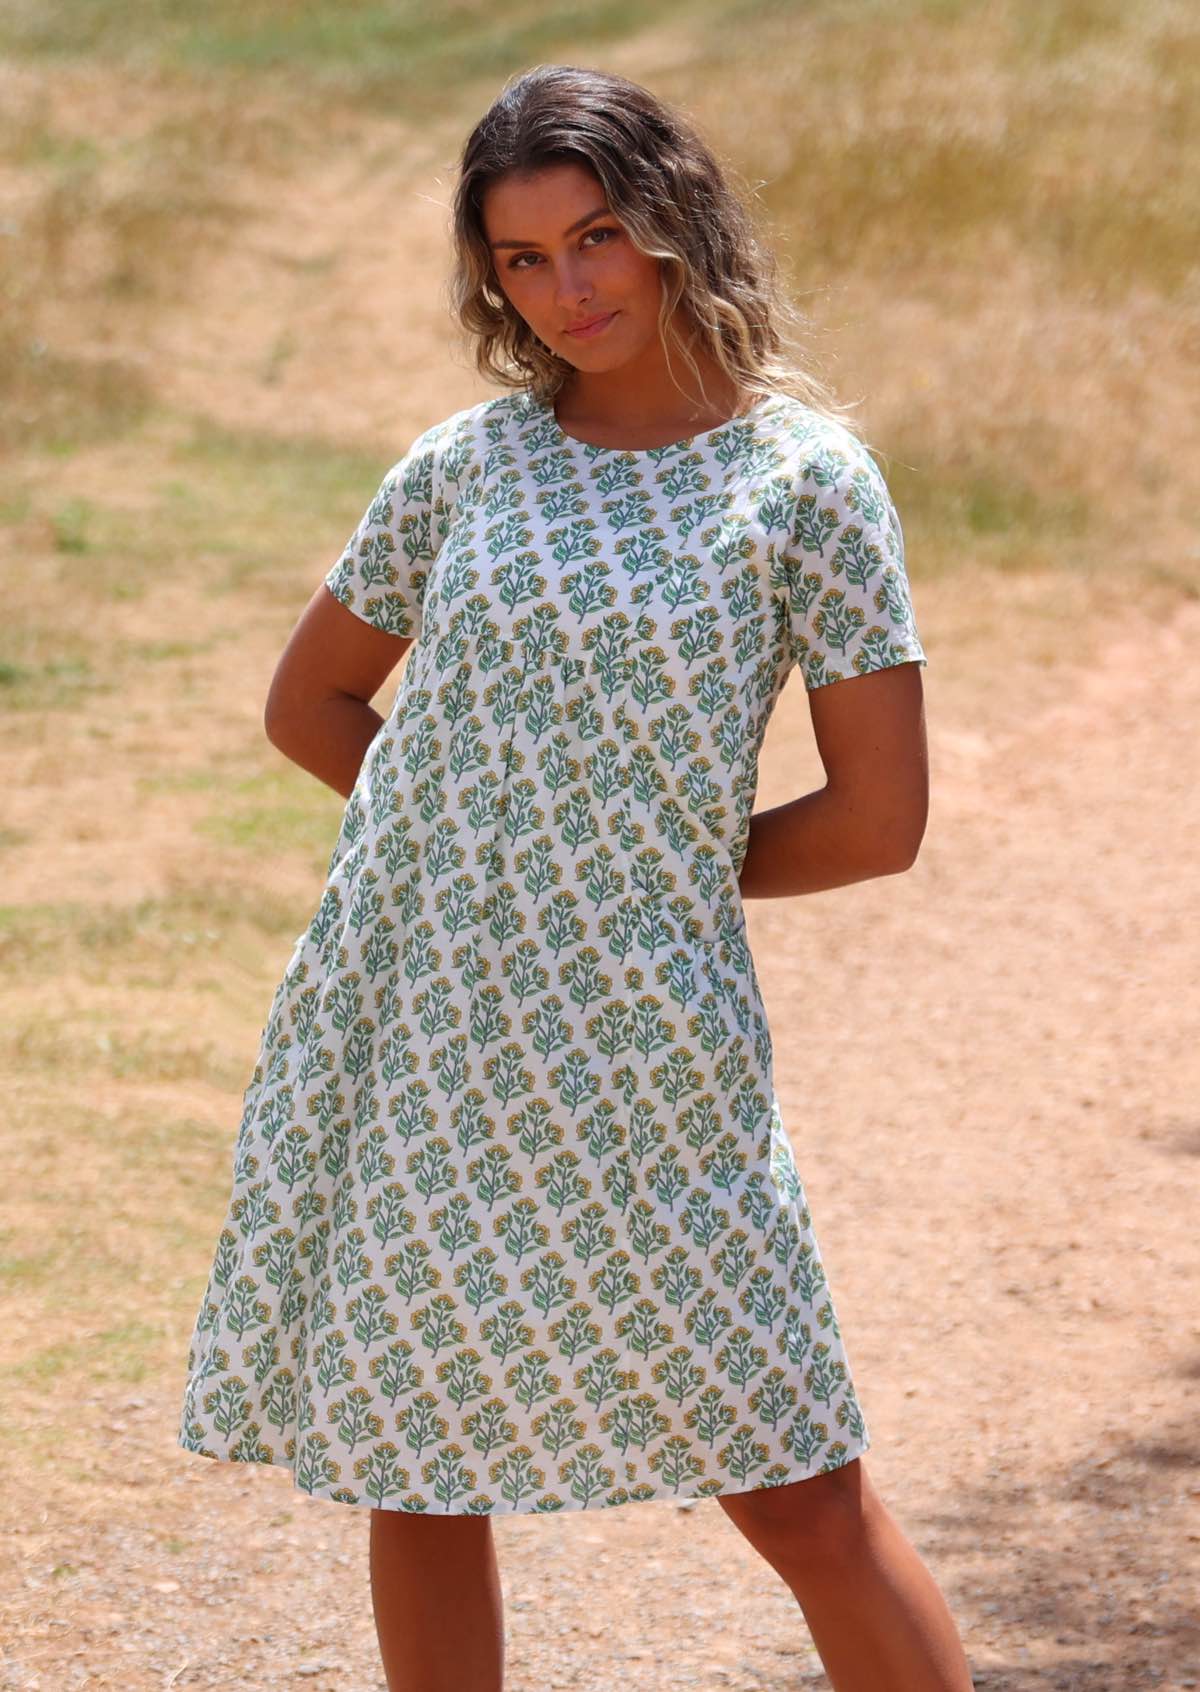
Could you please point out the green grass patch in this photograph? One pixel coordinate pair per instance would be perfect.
(164, 939)
(283, 811)
(1065, 29)
(72, 526)
(269, 502)
(91, 1044)
(234, 508)
(977, 513)
(1094, 193)
(54, 402)
(163, 651)
(57, 685)
(397, 49)
(125, 1352)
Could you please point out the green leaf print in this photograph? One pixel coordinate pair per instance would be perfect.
(575, 1333)
(559, 1428)
(332, 1367)
(447, 1475)
(805, 1437)
(859, 558)
(602, 1379)
(676, 1462)
(825, 1374)
(763, 1299)
(431, 1169)
(562, 1183)
(479, 1279)
(394, 1372)
(388, 1215)
(521, 1230)
(263, 1355)
(421, 1423)
(734, 1259)
(775, 1399)
(741, 1359)
(515, 1226)
(531, 1380)
(507, 1331)
(436, 1324)
(712, 1416)
(589, 1232)
(586, 1474)
(371, 1316)
(380, 1474)
(277, 1257)
(707, 1320)
(633, 1423)
(546, 1283)
(678, 1281)
(490, 1427)
(280, 1399)
(643, 1331)
(462, 1378)
(517, 1476)
(227, 1405)
(411, 1271)
(744, 1455)
(681, 1379)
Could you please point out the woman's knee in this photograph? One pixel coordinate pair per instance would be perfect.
(432, 1535)
(821, 1518)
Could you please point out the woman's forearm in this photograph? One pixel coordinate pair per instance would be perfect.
(823, 839)
(329, 739)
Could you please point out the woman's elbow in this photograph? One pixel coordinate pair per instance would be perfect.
(901, 850)
(278, 717)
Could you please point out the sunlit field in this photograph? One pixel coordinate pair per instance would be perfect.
(224, 243)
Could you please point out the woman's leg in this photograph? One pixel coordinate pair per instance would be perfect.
(439, 1611)
(874, 1612)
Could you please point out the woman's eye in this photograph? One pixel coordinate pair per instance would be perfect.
(515, 263)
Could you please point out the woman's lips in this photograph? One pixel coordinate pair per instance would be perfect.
(595, 327)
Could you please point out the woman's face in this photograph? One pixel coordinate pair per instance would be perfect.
(563, 260)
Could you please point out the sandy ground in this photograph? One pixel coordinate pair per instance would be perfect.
(1003, 1178)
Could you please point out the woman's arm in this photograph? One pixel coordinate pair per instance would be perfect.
(318, 710)
(869, 818)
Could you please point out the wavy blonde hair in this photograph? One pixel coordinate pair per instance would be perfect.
(678, 204)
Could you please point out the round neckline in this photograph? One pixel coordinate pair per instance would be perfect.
(547, 408)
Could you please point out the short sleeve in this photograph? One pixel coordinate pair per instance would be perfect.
(849, 606)
(381, 573)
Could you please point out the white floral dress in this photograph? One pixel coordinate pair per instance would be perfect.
(515, 1224)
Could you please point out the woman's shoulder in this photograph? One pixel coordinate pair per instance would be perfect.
(821, 452)
(452, 447)
(484, 420)
(792, 420)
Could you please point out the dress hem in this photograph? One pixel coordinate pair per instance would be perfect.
(561, 1505)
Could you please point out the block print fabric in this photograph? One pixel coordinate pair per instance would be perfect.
(514, 1221)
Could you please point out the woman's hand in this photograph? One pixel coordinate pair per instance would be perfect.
(318, 710)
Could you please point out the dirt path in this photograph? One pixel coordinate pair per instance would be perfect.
(1002, 1172)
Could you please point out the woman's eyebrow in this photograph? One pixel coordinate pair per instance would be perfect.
(600, 211)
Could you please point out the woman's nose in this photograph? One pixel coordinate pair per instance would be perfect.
(571, 285)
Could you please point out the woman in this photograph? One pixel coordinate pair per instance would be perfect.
(516, 1225)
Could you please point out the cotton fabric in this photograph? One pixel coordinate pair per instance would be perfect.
(514, 1222)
